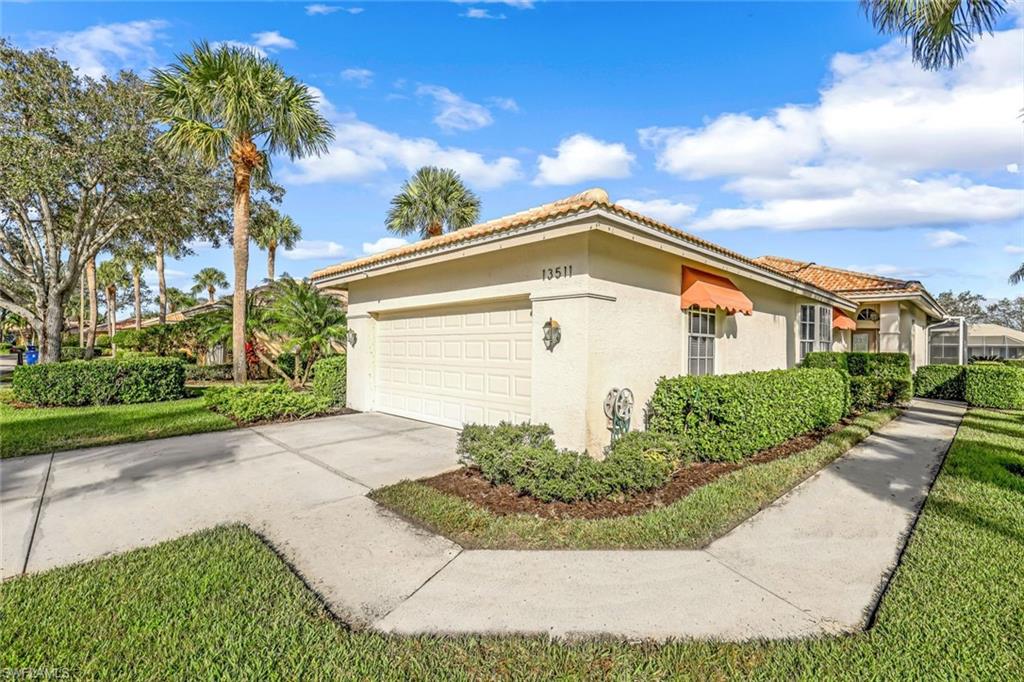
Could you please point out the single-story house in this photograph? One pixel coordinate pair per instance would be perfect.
(955, 342)
(538, 315)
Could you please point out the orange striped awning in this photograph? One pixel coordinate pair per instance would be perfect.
(707, 290)
(841, 320)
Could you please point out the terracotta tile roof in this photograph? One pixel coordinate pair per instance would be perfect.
(576, 204)
(837, 280)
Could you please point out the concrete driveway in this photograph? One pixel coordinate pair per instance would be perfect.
(301, 484)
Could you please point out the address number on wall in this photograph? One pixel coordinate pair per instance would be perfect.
(557, 272)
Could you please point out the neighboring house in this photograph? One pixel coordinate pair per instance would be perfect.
(994, 341)
(892, 314)
(537, 315)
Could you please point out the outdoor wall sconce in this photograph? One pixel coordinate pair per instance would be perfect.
(552, 334)
(351, 338)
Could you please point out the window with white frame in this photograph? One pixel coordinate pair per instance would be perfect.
(815, 329)
(701, 341)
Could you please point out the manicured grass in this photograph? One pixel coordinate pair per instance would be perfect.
(693, 521)
(220, 604)
(28, 431)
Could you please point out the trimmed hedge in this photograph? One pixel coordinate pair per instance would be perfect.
(729, 417)
(1015, 362)
(875, 378)
(330, 379)
(943, 382)
(221, 372)
(525, 457)
(79, 382)
(994, 385)
(264, 402)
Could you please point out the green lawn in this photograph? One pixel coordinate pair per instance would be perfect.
(693, 521)
(221, 604)
(27, 431)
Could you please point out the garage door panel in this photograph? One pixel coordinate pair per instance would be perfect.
(456, 366)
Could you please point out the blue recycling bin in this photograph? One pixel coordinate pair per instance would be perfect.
(31, 355)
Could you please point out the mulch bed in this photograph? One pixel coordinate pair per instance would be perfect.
(470, 485)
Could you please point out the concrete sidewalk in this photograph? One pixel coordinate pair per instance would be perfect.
(811, 563)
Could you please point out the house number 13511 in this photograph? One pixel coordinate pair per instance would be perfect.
(556, 272)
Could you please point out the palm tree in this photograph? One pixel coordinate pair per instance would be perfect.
(307, 321)
(136, 257)
(432, 200)
(217, 327)
(231, 103)
(177, 299)
(90, 285)
(209, 279)
(112, 275)
(272, 230)
(1018, 275)
(940, 31)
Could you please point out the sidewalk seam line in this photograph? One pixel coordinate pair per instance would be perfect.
(805, 612)
(39, 512)
(422, 585)
(313, 460)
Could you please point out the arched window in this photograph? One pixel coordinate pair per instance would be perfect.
(868, 315)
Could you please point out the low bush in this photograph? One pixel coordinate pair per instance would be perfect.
(525, 457)
(330, 379)
(130, 339)
(264, 402)
(728, 417)
(1015, 362)
(68, 353)
(208, 372)
(78, 382)
(994, 385)
(876, 379)
(944, 382)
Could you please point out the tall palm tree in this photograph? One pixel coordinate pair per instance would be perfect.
(306, 320)
(272, 231)
(229, 102)
(939, 31)
(209, 280)
(177, 299)
(431, 201)
(112, 275)
(136, 256)
(1018, 275)
(90, 285)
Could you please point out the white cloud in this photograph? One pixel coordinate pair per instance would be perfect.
(1013, 248)
(481, 13)
(735, 144)
(318, 9)
(581, 157)
(361, 150)
(1012, 168)
(383, 244)
(670, 212)
(887, 144)
(102, 49)
(313, 249)
(906, 203)
(363, 78)
(454, 112)
(273, 40)
(894, 271)
(255, 49)
(518, 4)
(941, 239)
(503, 103)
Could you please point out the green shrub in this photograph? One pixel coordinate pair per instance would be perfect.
(728, 417)
(130, 339)
(1015, 362)
(330, 379)
(68, 353)
(78, 382)
(994, 385)
(945, 382)
(264, 402)
(208, 372)
(525, 457)
(102, 341)
(876, 379)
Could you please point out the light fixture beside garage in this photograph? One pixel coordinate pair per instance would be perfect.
(552, 334)
(351, 337)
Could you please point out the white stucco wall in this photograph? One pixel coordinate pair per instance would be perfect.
(764, 340)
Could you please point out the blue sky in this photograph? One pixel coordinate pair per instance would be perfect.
(771, 128)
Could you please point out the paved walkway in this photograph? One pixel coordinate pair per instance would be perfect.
(812, 563)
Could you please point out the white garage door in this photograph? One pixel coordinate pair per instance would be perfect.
(456, 365)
